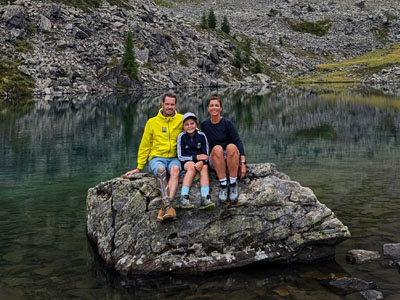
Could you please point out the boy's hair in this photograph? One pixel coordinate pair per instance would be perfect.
(170, 95)
(214, 97)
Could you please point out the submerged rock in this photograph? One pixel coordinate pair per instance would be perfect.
(275, 220)
(358, 256)
(391, 250)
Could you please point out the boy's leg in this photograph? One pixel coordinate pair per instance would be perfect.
(206, 203)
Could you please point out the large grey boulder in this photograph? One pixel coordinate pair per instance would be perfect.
(14, 16)
(275, 220)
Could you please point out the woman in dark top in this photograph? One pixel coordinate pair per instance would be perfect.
(226, 150)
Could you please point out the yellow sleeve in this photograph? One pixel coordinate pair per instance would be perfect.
(145, 146)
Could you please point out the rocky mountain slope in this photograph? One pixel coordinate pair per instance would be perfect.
(67, 50)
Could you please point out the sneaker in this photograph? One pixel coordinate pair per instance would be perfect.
(206, 203)
(170, 214)
(233, 192)
(185, 203)
(223, 193)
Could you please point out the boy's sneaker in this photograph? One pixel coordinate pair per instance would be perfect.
(233, 192)
(185, 203)
(206, 203)
(223, 193)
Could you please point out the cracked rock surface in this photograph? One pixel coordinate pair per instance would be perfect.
(275, 220)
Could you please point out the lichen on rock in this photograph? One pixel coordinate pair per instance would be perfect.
(275, 220)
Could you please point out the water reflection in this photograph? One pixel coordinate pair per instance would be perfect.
(344, 144)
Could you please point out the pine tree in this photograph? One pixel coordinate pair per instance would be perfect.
(203, 21)
(257, 68)
(225, 25)
(247, 50)
(237, 59)
(129, 65)
(212, 21)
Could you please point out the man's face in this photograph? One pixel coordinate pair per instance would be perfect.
(168, 106)
(190, 126)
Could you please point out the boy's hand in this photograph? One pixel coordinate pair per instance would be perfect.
(199, 165)
(202, 157)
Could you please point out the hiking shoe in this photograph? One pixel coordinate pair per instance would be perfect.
(170, 214)
(233, 192)
(206, 203)
(223, 193)
(185, 203)
(161, 212)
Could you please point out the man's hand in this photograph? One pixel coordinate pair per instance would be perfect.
(199, 165)
(202, 157)
(131, 172)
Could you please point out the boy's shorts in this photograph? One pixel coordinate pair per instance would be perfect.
(166, 162)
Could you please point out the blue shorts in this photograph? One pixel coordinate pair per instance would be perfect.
(166, 162)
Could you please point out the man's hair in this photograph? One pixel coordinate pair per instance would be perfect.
(214, 97)
(170, 95)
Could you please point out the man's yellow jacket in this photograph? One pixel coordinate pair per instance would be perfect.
(159, 138)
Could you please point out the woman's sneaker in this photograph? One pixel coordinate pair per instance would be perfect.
(233, 192)
(185, 203)
(206, 203)
(223, 193)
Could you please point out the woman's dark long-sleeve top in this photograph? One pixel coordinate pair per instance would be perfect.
(223, 133)
(189, 147)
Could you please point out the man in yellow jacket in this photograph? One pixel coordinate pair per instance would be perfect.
(158, 146)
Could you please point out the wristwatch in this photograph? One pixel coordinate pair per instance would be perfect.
(243, 161)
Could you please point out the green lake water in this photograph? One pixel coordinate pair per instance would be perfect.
(343, 144)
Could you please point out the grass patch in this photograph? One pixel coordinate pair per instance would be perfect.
(354, 70)
(164, 3)
(381, 33)
(23, 46)
(180, 56)
(13, 84)
(319, 28)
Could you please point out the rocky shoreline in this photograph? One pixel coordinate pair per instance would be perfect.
(69, 51)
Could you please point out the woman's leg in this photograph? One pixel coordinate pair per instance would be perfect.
(232, 159)
(218, 161)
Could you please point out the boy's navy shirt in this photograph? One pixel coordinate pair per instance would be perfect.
(223, 133)
(189, 147)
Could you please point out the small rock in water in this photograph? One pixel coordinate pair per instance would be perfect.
(372, 295)
(352, 283)
(391, 250)
(358, 256)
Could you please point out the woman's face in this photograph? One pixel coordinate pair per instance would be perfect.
(214, 108)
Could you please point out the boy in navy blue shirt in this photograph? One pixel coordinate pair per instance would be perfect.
(192, 148)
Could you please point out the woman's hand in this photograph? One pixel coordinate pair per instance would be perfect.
(242, 170)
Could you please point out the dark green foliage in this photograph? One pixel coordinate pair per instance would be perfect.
(225, 25)
(129, 65)
(23, 46)
(324, 131)
(212, 21)
(247, 50)
(257, 67)
(13, 84)
(237, 59)
(203, 21)
(319, 28)
(247, 46)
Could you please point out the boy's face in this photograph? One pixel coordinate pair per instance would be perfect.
(190, 125)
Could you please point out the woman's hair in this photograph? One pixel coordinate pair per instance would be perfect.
(214, 97)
